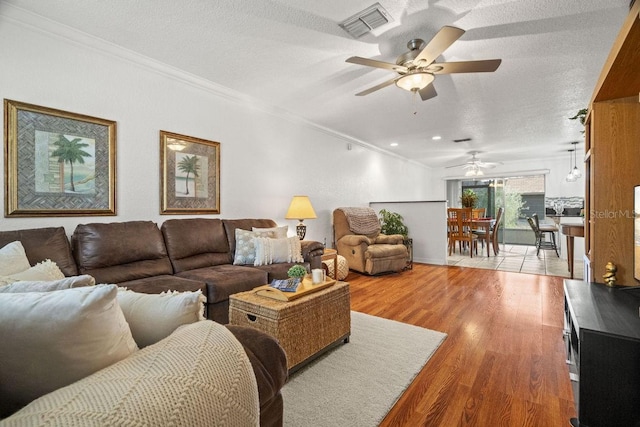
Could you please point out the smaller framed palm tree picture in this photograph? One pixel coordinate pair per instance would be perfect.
(189, 175)
(57, 163)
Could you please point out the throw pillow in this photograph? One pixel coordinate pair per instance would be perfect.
(153, 317)
(48, 286)
(273, 232)
(271, 251)
(43, 271)
(13, 259)
(52, 339)
(245, 246)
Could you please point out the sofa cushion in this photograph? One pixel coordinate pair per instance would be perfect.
(51, 339)
(224, 280)
(44, 243)
(120, 251)
(195, 243)
(153, 317)
(157, 284)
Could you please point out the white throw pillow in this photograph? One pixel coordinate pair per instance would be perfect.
(52, 339)
(43, 271)
(273, 232)
(48, 286)
(153, 317)
(245, 243)
(271, 251)
(13, 259)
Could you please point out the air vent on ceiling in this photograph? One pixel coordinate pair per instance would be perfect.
(462, 140)
(361, 23)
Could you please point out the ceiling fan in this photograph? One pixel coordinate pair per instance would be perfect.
(417, 68)
(474, 166)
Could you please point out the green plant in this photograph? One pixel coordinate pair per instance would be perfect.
(469, 199)
(297, 271)
(392, 223)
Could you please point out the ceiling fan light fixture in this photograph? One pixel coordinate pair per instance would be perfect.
(413, 82)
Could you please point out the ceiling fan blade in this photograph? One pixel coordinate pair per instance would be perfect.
(483, 66)
(463, 165)
(438, 44)
(376, 87)
(428, 92)
(377, 64)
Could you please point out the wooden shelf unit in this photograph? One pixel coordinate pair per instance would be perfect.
(612, 156)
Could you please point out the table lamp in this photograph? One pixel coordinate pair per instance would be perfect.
(300, 208)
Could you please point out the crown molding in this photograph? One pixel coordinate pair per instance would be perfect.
(51, 28)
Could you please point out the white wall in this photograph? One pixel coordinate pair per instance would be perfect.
(266, 156)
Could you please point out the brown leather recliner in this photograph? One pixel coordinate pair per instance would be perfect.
(367, 250)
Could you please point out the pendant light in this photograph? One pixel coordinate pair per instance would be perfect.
(570, 177)
(575, 172)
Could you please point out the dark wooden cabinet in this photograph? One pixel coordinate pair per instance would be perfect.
(602, 333)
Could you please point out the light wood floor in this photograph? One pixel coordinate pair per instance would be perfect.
(503, 362)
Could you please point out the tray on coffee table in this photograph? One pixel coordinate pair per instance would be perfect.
(306, 287)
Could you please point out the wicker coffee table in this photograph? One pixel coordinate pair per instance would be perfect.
(305, 327)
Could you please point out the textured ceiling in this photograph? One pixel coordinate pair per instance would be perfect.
(291, 54)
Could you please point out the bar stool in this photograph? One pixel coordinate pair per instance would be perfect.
(540, 232)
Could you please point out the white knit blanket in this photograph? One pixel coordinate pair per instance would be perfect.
(362, 220)
(198, 376)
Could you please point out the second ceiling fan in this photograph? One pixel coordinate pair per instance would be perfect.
(417, 68)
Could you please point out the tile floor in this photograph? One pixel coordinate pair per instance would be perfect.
(517, 258)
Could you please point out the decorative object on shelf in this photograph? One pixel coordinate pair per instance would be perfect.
(58, 163)
(189, 175)
(300, 208)
(469, 199)
(297, 271)
(610, 274)
(392, 223)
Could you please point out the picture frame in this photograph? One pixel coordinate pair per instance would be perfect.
(57, 163)
(189, 175)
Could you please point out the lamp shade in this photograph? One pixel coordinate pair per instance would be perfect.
(300, 208)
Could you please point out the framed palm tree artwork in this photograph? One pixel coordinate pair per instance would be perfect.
(189, 174)
(57, 163)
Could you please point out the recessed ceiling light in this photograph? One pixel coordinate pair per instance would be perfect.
(394, 144)
(436, 138)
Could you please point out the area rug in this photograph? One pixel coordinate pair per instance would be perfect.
(356, 384)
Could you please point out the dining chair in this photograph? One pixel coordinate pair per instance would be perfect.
(493, 232)
(459, 229)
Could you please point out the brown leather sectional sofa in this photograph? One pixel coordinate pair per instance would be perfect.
(182, 255)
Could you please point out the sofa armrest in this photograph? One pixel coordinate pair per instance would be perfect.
(391, 239)
(163, 383)
(312, 252)
(356, 240)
